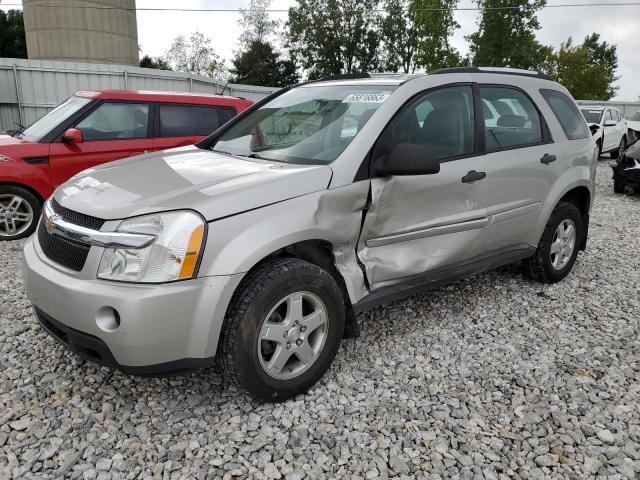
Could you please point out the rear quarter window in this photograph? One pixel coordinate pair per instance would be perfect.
(192, 120)
(568, 115)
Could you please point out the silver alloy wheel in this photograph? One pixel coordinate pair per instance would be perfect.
(563, 244)
(293, 335)
(16, 215)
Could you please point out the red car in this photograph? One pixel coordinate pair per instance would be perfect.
(91, 128)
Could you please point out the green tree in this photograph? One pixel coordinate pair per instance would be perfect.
(195, 55)
(256, 23)
(416, 33)
(158, 63)
(506, 35)
(434, 27)
(13, 43)
(259, 64)
(328, 37)
(587, 70)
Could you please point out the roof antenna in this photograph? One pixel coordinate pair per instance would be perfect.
(223, 88)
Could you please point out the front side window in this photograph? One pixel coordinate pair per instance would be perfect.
(635, 117)
(441, 120)
(115, 120)
(55, 117)
(189, 120)
(567, 113)
(308, 125)
(518, 122)
(591, 115)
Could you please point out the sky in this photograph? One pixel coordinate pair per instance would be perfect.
(616, 24)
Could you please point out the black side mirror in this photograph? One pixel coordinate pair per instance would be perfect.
(407, 159)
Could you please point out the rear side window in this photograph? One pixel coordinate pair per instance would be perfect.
(192, 120)
(510, 118)
(567, 113)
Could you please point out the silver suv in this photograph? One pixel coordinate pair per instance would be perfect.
(257, 247)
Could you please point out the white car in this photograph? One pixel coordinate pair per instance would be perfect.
(609, 128)
(633, 126)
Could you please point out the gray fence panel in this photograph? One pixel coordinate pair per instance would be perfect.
(43, 84)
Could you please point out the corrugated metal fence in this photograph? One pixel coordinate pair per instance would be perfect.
(30, 88)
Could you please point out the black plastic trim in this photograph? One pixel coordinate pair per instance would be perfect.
(93, 349)
(442, 276)
(43, 160)
(533, 74)
(345, 76)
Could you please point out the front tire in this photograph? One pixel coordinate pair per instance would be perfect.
(558, 247)
(282, 330)
(19, 212)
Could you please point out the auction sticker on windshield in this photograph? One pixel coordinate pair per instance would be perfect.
(366, 98)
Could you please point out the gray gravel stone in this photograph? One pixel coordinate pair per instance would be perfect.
(493, 377)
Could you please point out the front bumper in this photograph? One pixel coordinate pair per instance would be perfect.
(167, 328)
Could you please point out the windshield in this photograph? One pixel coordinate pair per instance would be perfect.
(307, 125)
(591, 116)
(40, 128)
(635, 117)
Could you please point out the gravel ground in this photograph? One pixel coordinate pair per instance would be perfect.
(492, 377)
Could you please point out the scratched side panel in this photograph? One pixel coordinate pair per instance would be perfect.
(419, 223)
(236, 244)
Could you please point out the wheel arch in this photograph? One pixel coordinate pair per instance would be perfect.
(319, 252)
(27, 187)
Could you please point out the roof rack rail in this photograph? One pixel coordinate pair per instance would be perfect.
(500, 70)
(345, 76)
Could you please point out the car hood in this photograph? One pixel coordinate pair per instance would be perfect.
(216, 185)
(8, 140)
(633, 124)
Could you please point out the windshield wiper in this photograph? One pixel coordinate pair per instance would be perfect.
(18, 132)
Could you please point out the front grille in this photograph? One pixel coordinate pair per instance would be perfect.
(65, 252)
(77, 218)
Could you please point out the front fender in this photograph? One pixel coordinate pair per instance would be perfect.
(35, 177)
(236, 244)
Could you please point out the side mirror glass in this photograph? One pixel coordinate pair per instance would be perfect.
(609, 123)
(72, 135)
(407, 159)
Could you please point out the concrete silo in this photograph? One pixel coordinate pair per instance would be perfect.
(102, 31)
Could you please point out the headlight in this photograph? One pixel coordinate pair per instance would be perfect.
(172, 256)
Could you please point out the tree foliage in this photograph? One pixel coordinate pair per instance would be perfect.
(158, 63)
(587, 70)
(13, 43)
(416, 33)
(328, 37)
(256, 23)
(259, 64)
(506, 35)
(195, 55)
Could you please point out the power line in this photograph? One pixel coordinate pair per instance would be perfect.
(273, 10)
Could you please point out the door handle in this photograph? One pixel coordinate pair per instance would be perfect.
(547, 159)
(473, 176)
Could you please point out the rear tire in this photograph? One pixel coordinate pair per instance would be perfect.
(545, 265)
(623, 144)
(19, 212)
(287, 309)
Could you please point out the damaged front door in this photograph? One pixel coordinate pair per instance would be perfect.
(417, 223)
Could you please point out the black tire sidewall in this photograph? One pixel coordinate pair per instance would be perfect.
(565, 211)
(252, 376)
(34, 202)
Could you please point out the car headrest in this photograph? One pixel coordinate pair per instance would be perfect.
(511, 121)
(140, 116)
(440, 122)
